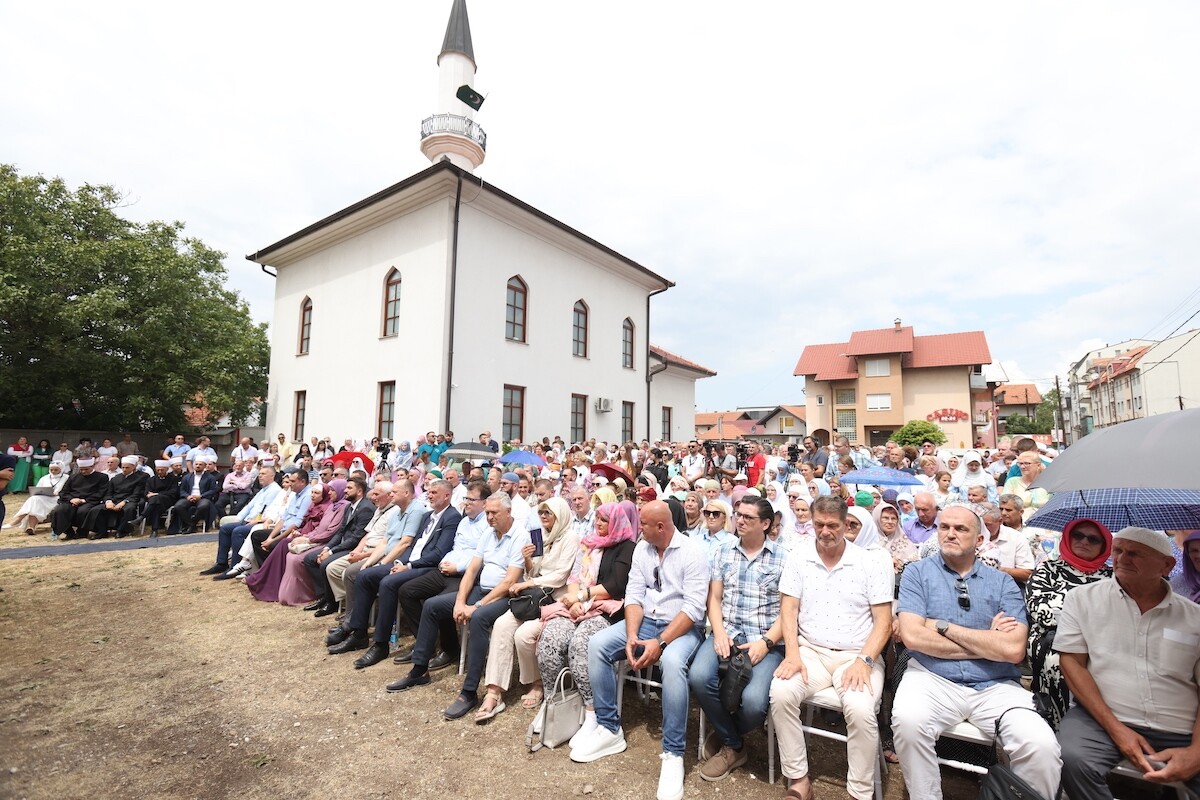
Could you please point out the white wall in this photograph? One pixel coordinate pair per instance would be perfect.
(676, 388)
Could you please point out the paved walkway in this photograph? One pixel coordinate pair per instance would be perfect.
(100, 545)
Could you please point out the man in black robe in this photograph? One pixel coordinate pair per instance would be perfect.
(82, 492)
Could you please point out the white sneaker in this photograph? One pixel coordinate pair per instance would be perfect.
(589, 727)
(242, 568)
(537, 721)
(670, 780)
(601, 743)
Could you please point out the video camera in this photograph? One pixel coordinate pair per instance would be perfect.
(385, 448)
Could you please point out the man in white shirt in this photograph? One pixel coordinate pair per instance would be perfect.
(245, 452)
(1005, 549)
(693, 463)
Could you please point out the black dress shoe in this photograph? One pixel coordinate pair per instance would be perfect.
(326, 610)
(405, 656)
(461, 705)
(441, 661)
(357, 640)
(409, 681)
(314, 606)
(215, 569)
(337, 636)
(375, 653)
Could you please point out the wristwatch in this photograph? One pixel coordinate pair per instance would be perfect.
(942, 626)
(479, 604)
(870, 662)
(770, 642)
(662, 643)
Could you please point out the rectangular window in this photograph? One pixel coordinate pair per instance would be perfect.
(879, 402)
(820, 399)
(847, 423)
(626, 421)
(785, 423)
(301, 411)
(845, 397)
(387, 410)
(666, 424)
(627, 344)
(877, 367)
(514, 413)
(579, 417)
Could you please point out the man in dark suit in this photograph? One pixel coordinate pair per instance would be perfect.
(354, 526)
(82, 492)
(120, 501)
(434, 541)
(197, 492)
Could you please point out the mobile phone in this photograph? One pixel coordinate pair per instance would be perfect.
(535, 536)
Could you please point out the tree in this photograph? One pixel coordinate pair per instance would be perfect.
(1042, 420)
(916, 431)
(131, 320)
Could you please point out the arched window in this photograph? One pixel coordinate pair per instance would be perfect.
(579, 330)
(515, 309)
(305, 326)
(391, 303)
(627, 344)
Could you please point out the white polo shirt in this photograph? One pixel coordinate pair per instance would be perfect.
(835, 604)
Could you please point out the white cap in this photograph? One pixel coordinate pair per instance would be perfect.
(176, 460)
(1153, 539)
(158, 462)
(129, 460)
(86, 462)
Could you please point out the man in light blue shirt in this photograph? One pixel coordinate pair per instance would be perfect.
(299, 499)
(233, 530)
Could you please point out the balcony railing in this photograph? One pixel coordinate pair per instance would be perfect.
(452, 123)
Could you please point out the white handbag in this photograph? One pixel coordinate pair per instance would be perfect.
(560, 717)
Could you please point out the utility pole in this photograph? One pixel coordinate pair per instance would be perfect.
(1062, 420)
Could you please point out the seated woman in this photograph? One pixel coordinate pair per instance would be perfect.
(282, 577)
(899, 546)
(560, 546)
(594, 600)
(692, 503)
(1031, 467)
(37, 508)
(1083, 552)
(1187, 582)
(860, 528)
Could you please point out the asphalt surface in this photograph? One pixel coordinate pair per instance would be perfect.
(101, 545)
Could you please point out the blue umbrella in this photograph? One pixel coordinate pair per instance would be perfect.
(523, 457)
(880, 476)
(1157, 509)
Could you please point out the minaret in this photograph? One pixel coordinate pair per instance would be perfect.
(453, 132)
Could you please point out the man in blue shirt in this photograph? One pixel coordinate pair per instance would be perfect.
(234, 529)
(293, 514)
(965, 624)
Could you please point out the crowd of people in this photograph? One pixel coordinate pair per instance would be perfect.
(742, 578)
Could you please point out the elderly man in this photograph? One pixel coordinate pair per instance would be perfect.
(1007, 550)
(354, 526)
(965, 625)
(82, 492)
(743, 608)
(235, 529)
(1129, 649)
(664, 612)
(121, 499)
(925, 524)
(837, 619)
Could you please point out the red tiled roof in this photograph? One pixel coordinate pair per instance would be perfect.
(881, 340)
(679, 361)
(711, 417)
(948, 350)
(826, 362)
(734, 429)
(799, 412)
(1120, 365)
(1017, 394)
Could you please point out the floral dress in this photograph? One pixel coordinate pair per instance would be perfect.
(1044, 594)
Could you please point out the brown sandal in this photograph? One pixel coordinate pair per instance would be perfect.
(532, 699)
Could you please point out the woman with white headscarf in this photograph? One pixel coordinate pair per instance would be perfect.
(970, 473)
(401, 457)
(37, 508)
(862, 526)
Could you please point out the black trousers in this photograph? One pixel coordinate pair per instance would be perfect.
(256, 542)
(320, 580)
(413, 594)
(154, 509)
(65, 517)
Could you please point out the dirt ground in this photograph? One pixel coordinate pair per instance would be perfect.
(125, 674)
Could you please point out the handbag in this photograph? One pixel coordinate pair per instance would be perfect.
(560, 717)
(527, 605)
(1001, 783)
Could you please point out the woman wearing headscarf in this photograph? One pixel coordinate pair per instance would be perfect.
(860, 528)
(1082, 559)
(1187, 582)
(891, 534)
(401, 457)
(693, 502)
(550, 570)
(37, 508)
(818, 487)
(594, 600)
(321, 521)
(970, 473)
(23, 453)
(777, 497)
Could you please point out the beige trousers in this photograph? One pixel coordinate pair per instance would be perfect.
(509, 634)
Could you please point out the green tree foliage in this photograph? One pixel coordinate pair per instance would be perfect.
(916, 431)
(1043, 417)
(132, 320)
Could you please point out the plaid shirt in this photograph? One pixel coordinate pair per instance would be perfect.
(750, 596)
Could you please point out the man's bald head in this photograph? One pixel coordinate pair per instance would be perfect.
(656, 523)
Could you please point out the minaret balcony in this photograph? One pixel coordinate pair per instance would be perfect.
(454, 124)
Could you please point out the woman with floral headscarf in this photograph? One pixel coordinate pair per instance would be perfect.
(1082, 559)
(594, 600)
(550, 570)
(282, 577)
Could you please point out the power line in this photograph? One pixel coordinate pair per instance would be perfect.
(1180, 306)
(1177, 349)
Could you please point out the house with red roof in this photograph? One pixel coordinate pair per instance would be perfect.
(873, 384)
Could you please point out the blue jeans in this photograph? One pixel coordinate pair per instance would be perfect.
(230, 538)
(756, 697)
(607, 647)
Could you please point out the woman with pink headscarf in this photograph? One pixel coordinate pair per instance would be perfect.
(282, 577)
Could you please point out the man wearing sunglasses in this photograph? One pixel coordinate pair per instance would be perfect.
(965, 624)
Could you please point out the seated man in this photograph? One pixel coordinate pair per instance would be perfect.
(1003, 548)
(837, 619)
(481, 598)
(354, 527)
(299, 498)
(376, 534)
(120, 501)
(236, 489)
(162, 490)
(82, 492)
(743, 608)
(664, 612)
(965, 625)
(233, 532)
(197, 490)
(1129, 649)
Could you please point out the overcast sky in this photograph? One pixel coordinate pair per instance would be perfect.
(801, 170)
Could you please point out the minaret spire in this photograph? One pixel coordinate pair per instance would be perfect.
(452, 132)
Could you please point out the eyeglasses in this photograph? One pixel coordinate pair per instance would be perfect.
(545, 512)
(713, 513)
(964, 594)
(1095, 541)
(740, 515)
(474, 499)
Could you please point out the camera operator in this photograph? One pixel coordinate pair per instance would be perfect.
(816, 456)
(724, 463)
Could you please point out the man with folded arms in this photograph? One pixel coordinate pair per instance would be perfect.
(120, 501)
(743, 608)
(1129, 649)
(353, 528)
(664, 612)
(233, 530)
(965, 625)
(837, 618)
(82, 492)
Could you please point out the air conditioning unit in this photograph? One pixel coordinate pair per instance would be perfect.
(603, 404)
